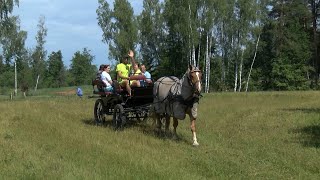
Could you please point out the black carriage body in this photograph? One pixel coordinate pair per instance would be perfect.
(124, 108)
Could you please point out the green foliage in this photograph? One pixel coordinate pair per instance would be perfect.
(39, 54)
(151, 28)
(56, 71)
(286, 48)
(118, 26)
(82, 70)
(6, 8)
(170, 34)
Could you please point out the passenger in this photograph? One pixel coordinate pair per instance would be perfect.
(106, 78)
(98, 76)
(123, 70)
(79, 92)
(136, 71)
(146, 74)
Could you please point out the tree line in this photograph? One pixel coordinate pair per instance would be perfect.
(241, 45)
(33, 67)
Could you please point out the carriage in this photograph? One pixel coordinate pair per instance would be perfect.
(120, 105)
(170, 97)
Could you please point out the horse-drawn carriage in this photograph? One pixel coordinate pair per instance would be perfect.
(168, 96)
(118, 103)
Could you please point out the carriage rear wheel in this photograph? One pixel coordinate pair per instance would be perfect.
(99, 116)
(119, 117)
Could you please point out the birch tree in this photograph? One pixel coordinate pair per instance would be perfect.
(118, 27)
(39, 54)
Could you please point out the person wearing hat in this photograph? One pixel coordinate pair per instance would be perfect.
(123, 70)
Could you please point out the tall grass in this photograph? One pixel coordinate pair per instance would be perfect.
(272, 135)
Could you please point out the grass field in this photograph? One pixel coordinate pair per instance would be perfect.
(269, 135)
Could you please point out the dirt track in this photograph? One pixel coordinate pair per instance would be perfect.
(66, 93)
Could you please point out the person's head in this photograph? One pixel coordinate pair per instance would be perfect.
(107, 68)
(125, 59)
(143, 68)
(101, 67)
(135, 67)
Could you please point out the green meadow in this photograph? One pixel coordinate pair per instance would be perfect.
(268, 135)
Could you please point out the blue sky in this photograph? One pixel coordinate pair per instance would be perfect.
(72, 25)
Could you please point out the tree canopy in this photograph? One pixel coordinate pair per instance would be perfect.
(263, 44)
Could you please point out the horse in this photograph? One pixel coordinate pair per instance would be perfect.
(175, 98)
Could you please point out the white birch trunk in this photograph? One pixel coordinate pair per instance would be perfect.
(15, 79)
(206, 89)
(235, 69)
(193, 56)
(223, 66)
(254, 58)
(198, 63)
(208, 64)
(240, 71)
(35, 89)
(190, 41)
(198, 60)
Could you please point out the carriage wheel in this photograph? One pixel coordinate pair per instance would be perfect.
(118, 117)
(99, 111)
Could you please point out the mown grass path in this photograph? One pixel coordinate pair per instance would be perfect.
(274, 135)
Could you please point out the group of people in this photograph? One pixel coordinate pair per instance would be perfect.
(125, 76)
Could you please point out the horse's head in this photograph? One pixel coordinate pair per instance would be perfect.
(194, 78)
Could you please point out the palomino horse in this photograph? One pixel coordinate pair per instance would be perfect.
(175, 98)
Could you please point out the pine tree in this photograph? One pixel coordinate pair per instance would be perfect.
(289, 46)
(82, 70)
(55, 76)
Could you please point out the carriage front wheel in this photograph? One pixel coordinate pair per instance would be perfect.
(119, 117)
(99, 112)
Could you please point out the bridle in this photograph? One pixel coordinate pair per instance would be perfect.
(195, 90)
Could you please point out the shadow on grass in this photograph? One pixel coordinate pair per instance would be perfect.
(309, 136)
(142, 127)
(92, 122)
(305, 110)
(149, 130)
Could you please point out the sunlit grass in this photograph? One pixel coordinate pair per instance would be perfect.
(255, 135)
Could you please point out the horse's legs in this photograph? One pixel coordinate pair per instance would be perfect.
(167, 124)
(175, 125)
(158, 122)
(193, 130)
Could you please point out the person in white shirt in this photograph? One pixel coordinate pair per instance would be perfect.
(106, 78)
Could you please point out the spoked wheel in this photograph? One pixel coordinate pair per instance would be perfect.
(119, 118)
(99, 111)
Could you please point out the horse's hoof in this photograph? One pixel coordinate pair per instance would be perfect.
(195, 144)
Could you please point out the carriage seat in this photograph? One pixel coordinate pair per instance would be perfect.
(98, 87)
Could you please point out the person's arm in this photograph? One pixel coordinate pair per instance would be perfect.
(131, 55)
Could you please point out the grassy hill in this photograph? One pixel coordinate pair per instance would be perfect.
(272, 135)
